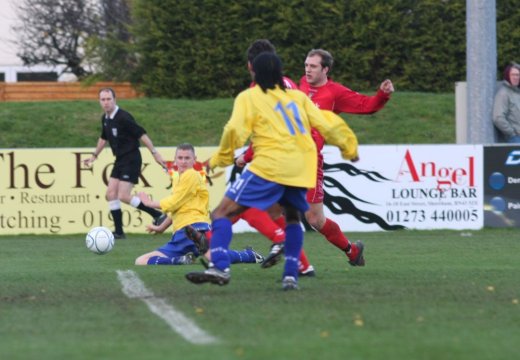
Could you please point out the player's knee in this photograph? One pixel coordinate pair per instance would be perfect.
(315, 220)
(275, 211)
(292, 215)
(226, 209)
(126, 198)
(111, 195)
(141, 260)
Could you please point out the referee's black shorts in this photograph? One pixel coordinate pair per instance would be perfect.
(128, 167)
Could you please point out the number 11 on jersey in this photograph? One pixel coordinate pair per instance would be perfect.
(296, 115)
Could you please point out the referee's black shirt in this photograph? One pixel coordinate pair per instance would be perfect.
(122, 132)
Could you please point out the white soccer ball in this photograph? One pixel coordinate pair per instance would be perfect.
(100, 240)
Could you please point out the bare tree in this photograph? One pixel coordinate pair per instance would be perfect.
(112, 50)
(117, 18)
(54, 32)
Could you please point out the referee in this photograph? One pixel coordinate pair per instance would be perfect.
(123, 134)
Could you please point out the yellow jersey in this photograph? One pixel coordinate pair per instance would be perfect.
(279, 124)
(189, 201)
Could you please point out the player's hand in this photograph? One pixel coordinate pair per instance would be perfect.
(387, 87)
(145, 199)
(240, 162)
(158, 229)
(153, 229)
(150, 229)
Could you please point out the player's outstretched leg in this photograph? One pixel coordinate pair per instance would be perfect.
(211, 275)
(218, 271)
(293, 247)
(335, 236)
(289, 283)
(158, 220)
(198, 237)
(355, 254)
(274, 257)
(304, 267)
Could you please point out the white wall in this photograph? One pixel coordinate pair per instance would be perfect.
(10, 64)
(7, 20)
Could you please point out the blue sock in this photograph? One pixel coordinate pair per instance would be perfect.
(178, 260)
(159, 260)
(220, 240)
(244, 256)
(293, 247)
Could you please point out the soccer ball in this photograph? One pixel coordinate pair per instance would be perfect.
(100, 240)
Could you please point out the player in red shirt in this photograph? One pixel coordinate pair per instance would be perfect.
(329, 95)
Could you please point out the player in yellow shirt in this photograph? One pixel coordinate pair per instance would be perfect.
(187, 206)
(284, 166)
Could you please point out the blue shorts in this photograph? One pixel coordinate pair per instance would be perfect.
(253, 191)
(180, 245)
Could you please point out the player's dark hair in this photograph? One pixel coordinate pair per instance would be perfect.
(107, 89)
(259, 46)
(268, 71)
(185, 146)
(326, 58)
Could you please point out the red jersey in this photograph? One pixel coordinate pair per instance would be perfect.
(340, 99)
(289, 84)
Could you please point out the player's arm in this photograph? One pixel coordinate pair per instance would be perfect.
(147, 200)
(182, 193)
(245, 157)
(157, 229)
(235, 134)
(349, 137)
(334, 130)
(352, 102)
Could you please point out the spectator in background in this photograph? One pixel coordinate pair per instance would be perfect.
(506, 110)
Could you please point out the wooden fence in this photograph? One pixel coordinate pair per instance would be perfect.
(52, 91)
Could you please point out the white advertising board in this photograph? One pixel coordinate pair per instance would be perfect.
(404, 186)
(49, 191)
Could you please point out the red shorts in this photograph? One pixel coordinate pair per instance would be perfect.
(316, 195)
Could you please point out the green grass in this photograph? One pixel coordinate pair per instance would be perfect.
(409, 117)
(422, 295)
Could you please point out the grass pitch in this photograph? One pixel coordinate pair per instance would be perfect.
(422, 295)
(410, 117)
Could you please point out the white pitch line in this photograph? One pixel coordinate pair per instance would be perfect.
(134, 288)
